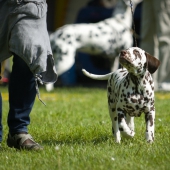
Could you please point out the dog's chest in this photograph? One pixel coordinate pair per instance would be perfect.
(133, 104)
(130, 97)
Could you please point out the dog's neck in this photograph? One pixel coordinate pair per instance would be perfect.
(137, 80)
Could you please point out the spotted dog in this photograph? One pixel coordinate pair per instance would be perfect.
(131, 92)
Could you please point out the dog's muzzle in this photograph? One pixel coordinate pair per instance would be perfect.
(124, 57)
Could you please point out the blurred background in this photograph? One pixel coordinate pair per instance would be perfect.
(61, 12)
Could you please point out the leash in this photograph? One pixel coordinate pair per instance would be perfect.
(131, 6)
(38, 79)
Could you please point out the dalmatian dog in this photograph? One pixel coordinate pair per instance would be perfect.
(107, 37)
(131, 92)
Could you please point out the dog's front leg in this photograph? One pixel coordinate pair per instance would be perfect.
(126, 131)
(130, 122)
(150, 119)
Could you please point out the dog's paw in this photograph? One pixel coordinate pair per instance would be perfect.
(128, 135)
(150, 141)
(149, 137)
(117, 140)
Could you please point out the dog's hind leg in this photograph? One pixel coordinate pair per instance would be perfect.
(113, 115)
(115, 127)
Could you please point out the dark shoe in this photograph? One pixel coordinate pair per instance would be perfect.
(23, 141)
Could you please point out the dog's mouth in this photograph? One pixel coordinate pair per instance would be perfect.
(124, 57)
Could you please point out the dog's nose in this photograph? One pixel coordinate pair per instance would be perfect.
(123, 52)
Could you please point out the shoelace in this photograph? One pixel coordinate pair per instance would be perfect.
(38, 79)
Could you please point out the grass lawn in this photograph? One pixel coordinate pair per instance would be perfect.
(75, 131)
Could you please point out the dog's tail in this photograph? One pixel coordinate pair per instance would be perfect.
(96, 77)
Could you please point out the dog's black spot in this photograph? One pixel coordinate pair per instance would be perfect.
(110, 100)
(90, 34)
(130, 108)
(120, 117)
(151, 120)
(124, 74)
(123, 17)
(59, 35)
(104, 32)
(65, 53)
(124, 30)
(137, 107)
(99, 27)
(152, 108)
(109, 89)
(78, 38)
(113, 109)
(113, 131)
(134, 100)
(151, 82)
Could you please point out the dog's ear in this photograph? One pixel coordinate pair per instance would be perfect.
(152, 63)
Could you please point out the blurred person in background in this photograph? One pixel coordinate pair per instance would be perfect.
(155, 38)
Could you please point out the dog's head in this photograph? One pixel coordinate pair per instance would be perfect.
(136, 61)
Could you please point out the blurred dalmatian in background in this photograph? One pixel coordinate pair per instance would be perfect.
(107, 37)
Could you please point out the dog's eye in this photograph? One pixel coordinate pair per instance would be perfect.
(136, 52)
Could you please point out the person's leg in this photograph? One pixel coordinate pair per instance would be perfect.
(163, 32)
(148, 27)
(22, 94)
(0, 118)
(148, 32)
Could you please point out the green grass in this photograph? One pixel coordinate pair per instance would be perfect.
(75, 131)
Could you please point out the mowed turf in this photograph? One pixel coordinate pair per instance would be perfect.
(75, 131)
